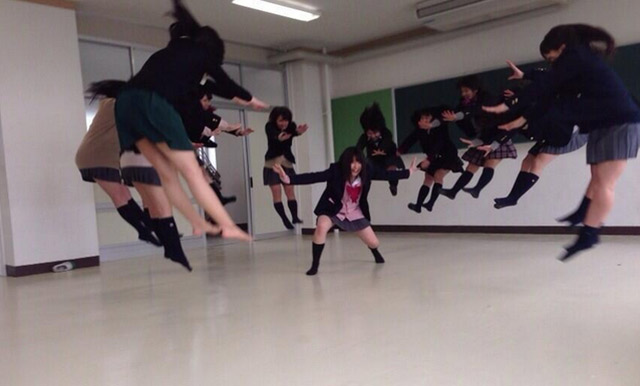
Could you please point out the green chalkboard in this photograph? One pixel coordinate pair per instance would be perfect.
(408, 99)
(346, 116)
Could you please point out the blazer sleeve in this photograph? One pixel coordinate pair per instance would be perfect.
(225, 87)
(311, 178)
(408, 142)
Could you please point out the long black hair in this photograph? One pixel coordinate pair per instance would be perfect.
(280, 111)
(470, 81)
(347, 156)
(418, 114)
(105, 88)
(598, 39)
(372, 118)
(204, 35)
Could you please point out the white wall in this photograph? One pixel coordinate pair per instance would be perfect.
(562, 184)
(48, 213)
(483, 50)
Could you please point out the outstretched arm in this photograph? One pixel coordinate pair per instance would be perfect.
(302, 179)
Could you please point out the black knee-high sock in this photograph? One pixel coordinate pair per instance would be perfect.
(293, 208)
(280, 210)
(464, 179)
(393, 187)
(377, 255)
(132, 214)
(422, 195)
(147, 218)
(316, 251)
(167, 231)
(588, 237)
(578, 216)
(485, 178)
(434, 197)
(523, 183)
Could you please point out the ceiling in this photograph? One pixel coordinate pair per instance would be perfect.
(345, 25)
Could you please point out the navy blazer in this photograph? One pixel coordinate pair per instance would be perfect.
(330, 202)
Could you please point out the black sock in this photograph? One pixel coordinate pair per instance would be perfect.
(280, 210)
(588, 237)
(293, 208)
(464, 179)
(167, 232)
(578, 216)
(524, 182)
(485, 178)
(316, 251)
(434, 196)
(422, 195)
(147, 218)
(393, 187)
(377, 255)
(132, 214)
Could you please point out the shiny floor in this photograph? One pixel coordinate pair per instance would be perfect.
(444, 310)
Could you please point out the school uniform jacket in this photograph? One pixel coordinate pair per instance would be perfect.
(384, 143)
(330, 202)
(277, 148)
(435, 142)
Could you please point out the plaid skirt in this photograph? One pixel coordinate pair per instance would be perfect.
(612, 144)
(104, 174)
(577, 141)
(476, 157)
(452, 164)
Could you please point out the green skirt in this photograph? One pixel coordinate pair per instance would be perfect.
(145, 114)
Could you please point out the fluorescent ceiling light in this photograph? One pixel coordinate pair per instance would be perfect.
(278, 9)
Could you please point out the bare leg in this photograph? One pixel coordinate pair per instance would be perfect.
(187, 165)
(117, 192)
(276, 193)
(371, 240)
(604, 177)
(159, 205)
(173, 189)
(540, 163)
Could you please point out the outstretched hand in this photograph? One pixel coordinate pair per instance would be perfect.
(414, 166)
(302, 129)
(257, 104)
(467, 142)
(499, 109)
(517, 73)
(448, 116)
(283, 175)
(518, 123)
(486, 149)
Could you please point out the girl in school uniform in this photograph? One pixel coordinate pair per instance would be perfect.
(280, 133)
(605, 110)
(376, 142)
(344, 201)
(542, 153)
(488, 148)
(432, 134)
(98, 162)
(147, 118)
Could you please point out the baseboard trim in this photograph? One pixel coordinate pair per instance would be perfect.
(521, 230)
(37, 269)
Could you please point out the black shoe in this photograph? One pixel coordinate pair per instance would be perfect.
(587, 239)
(297, 221)
(428, 207)
(448, 193)
(393, 189)
(571, 220)
(415, 207)
(474, 193)
(227, 200)
(504, 202)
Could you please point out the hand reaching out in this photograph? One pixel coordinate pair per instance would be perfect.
(518, 123)
(499, 109)
(378, 152)
(283, 175)
(302, 129)
(448, 116)
(517, 73)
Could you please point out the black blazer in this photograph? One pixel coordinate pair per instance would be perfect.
(275, 147)
(331, 200)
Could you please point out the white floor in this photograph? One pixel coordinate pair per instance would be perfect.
(444, 310)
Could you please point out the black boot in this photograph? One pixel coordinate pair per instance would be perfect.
(422, 195)
(377, 255)
(393, 187)
(485, 178)
(293, 208)
(523, 183)
(132, 214)
(280, 210)
(434, 197)
(464, 179)
(577, 217)
(224, 200)
(167, 231)
(587, 238)
(316, 250)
